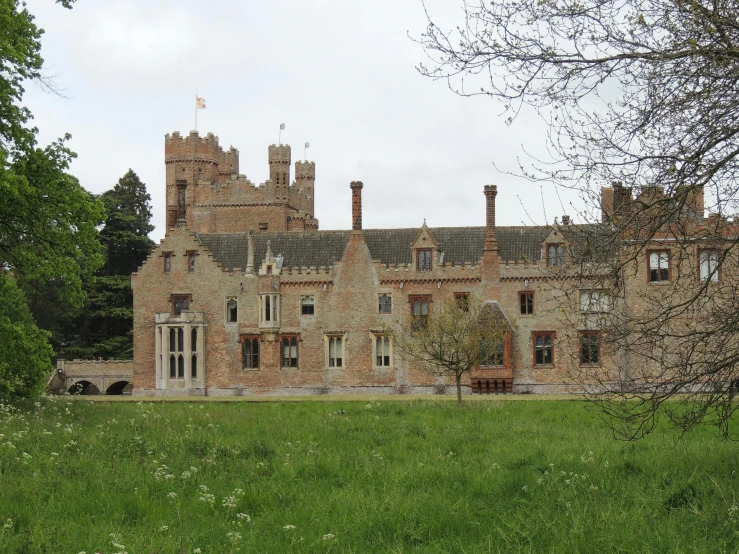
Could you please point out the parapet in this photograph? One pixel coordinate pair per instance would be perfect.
(279, 153)
(193, 146)
(305, 171)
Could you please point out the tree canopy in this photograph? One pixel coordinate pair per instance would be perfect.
(642, 95)
(48, 222)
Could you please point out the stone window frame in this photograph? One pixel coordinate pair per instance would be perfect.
(526, 304)
(173, 298)
(498, 356)
(389, 304)
(232, 313)
(250, 361)
(176, 352)
(558, 258)
(330, 342)
(588, 305)
(552, 338)
(583, 354)
(190, 257)
(463, 300)
(659, 267)
(713, 276)
(419, 321)
(424, 263)
(167, 261)
(293, 341)
(308, 309)
(386, 361)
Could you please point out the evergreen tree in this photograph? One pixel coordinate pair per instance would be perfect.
(105, 326)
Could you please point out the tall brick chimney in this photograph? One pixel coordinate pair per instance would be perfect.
(491, 242)
(356, 187)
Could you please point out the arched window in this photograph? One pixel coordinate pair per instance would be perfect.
(232, 311)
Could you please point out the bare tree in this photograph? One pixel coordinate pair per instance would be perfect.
(642, 95)
(460, 334)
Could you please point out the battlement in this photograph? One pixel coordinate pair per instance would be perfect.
(305, 171)
(195, 147)
(280, 153)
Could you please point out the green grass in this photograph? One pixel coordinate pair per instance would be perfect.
(387, 476)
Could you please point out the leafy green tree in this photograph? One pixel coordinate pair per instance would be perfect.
(25, 353)
(48, 235)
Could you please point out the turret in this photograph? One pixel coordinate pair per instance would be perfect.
(279, 170)
(305, 178)
(191, 161)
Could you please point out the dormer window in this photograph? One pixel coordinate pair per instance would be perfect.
(555, 255)
(423, 259)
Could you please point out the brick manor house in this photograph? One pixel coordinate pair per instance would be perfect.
(245, 295)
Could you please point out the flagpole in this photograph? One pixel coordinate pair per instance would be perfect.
(196, 111)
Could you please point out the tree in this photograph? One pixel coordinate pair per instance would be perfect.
(105, 326)
(25, 355)
(642, 95)
(458, 336)
(48, 222)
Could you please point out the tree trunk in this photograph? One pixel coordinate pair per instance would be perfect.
(459, 389)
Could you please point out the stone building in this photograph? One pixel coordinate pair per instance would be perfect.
(245, 295)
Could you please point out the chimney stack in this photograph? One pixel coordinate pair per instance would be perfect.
(491, 243)
(356, 187)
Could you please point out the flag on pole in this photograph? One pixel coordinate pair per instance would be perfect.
(199, 103)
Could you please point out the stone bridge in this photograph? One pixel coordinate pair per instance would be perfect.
(91, 377)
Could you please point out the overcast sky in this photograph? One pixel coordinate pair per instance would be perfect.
(340, 75)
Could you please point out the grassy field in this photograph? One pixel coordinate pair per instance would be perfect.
(371, 476)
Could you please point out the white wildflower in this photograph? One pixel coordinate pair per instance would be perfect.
(328, 536)
(288, 527)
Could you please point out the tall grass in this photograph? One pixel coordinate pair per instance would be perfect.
(79, 476)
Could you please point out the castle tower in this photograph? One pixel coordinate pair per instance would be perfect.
(191, 162)
(305, 178)
(279, 170)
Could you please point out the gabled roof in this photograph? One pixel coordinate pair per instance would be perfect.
(390, 246)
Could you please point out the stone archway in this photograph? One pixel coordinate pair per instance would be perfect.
(83, 388)
(119, 387)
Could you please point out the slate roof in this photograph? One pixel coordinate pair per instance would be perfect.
(390, 246)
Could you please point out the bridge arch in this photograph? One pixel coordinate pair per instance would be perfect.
(120, 387)
(84, 388)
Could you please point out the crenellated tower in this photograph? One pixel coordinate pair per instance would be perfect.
(279, 170)
(192, 162)
(305, 178)
(207, 194)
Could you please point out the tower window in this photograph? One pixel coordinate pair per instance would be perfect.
(191, 262)
(307, 305)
